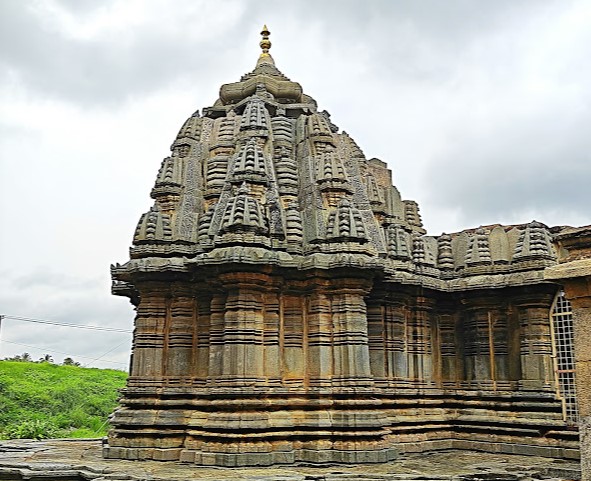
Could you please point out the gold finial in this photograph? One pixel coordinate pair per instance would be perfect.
(265, 42)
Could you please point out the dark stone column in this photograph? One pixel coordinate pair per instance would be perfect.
(397, 315)
(377, 354)
(418, 341)
(149, 335)
(292, 313)
(486, 343)
(202, 333)
(242, 361)
(537, 370)
(179, 336)
(319, 342)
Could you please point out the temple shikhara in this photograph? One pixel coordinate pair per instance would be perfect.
(291, 308)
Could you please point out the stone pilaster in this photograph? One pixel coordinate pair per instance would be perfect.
(148, 337)
(418, 341)
(377, 351)
(350, 337)
(216, 337)
(243, 352)
(293, 366)
(396, 319)
(486, 343)
(202, 328)
(319, 324)
(450, 352)
(180, 336)
(537, 371)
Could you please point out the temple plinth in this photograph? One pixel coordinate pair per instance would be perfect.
(291, 308)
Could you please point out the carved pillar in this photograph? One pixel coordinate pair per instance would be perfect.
(148, 337)
(501, 349)
(376, 339)
(486, 343)
(319, 319)
(242, 362)
(202, 325)
(216, 336)
(395, 325)
(476, 346)
(574, 272)
(179, 335)
(350, 336)
(418, 339)
(292, 310)
(537, 371)
(450, 351)
(271, 336)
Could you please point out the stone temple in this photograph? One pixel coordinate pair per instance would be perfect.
(291, 308)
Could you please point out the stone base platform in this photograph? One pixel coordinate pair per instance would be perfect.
(81, 460)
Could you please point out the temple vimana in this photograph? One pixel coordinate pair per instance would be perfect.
(292, 309)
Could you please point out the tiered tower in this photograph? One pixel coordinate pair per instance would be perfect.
(291, 308)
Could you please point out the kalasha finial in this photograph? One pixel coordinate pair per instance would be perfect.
(265, 42)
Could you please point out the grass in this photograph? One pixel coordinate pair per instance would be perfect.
(43, 400)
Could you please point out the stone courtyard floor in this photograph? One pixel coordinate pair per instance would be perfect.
(80, 460)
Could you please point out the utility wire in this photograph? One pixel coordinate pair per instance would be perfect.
(46, 349)
(65, 324)
(103, 355)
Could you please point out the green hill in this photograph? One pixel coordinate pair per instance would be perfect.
(43, 400)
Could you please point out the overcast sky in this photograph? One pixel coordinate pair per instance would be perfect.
(480, 108)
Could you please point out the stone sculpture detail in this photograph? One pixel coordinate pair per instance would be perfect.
(290, 307)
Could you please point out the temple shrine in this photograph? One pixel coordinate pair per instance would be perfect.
(292, 309)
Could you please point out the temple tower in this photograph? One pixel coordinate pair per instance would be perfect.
(290, 307)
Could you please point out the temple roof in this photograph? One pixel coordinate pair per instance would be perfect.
(264, 177)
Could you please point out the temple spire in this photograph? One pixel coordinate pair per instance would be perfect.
(265, 45)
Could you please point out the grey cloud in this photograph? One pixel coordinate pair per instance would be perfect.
(51, 279)
(83, 6)
(540, 165)
(148, 57)
(63, 298)
(101, 71)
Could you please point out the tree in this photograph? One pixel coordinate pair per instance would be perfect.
(68, 361)
(46, 358)
(24, 357)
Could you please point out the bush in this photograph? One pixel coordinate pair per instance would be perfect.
(31, 429)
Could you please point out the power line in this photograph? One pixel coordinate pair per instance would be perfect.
(103, 355)
(65, 324)
(67, 353)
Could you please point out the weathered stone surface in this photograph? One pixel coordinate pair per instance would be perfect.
(81, 460)
(290, 307)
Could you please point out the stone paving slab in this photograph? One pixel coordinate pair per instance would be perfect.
(81, 460)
